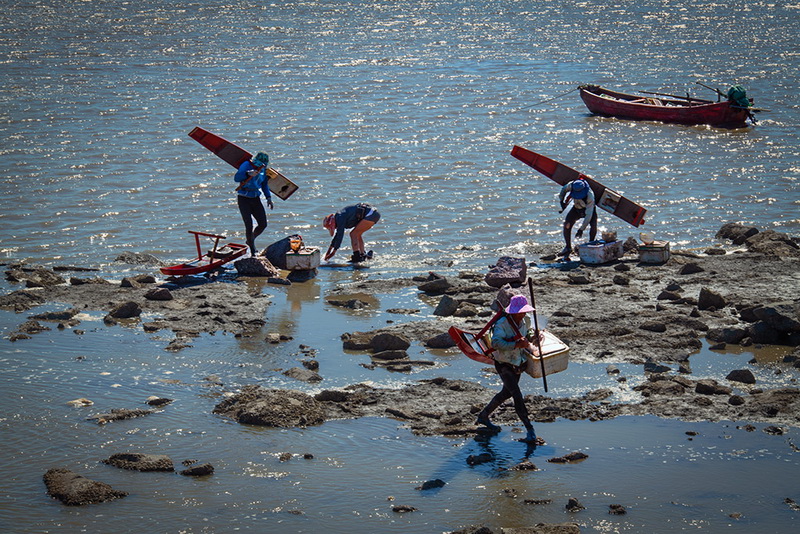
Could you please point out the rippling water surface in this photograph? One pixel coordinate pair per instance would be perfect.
(413, 106)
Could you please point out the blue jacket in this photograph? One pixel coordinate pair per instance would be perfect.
(503, 341)
(258, 183)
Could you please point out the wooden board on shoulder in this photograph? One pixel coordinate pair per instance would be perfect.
(607, 199)
(235, 155)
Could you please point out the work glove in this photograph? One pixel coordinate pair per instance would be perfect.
(579, 233)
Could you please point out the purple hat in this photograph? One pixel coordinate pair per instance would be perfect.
(579, 189)
(519, 304)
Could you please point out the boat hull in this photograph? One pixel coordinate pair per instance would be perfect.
(607, 103)
(214, 262)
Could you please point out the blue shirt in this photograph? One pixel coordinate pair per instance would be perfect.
(256, 184)
(503, 341)
(345, 218)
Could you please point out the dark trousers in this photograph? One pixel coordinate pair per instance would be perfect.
(252, 208)
(510, 377)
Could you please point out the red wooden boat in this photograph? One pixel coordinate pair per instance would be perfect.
(213, 259)
(679, 110)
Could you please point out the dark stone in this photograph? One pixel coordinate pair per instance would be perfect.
(255, 405)
(710, 299)
(579, 279)
(431, 484)
(388, 341)
(159, 293)
(572, 457)
(654, 326)
(390, 355)
(781, 316)
(690, 268)
(745, 376)
(668, 295)
(736, 232)
(139, 258)
(711, 387)
(507, 270)
(201, 470)
(621, 280)
(255, 267)
(654, 367)
(573, 505)
(306, 375)
(763, 333)
(76, 490)
(477, 459)
(140, 462)
(126, 310)
(447, 306)
(731, 335)
(616, 509)
(440, 341)
(435, 286)
(735, 400)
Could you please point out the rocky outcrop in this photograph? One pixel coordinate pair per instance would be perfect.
(507, 270)
(255, 405)
(140, 462)
(73, 489)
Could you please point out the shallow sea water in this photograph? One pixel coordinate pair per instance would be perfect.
(413, 106)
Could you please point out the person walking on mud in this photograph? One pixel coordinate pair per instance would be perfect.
(252, 179)
(583, 207)
(360, 217)
(511, 346)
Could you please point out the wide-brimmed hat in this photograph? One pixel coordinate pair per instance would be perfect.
(580, 189)
(518, 304)
(261, 159)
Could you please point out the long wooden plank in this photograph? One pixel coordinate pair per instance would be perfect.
(235, 155)
(605, 198)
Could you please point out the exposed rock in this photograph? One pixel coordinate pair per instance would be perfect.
(258, 266)
(572, 457)
(573, 505)
(477, 459)
(139, 258)
(64, 315)
(447, 306)
(731, 335)
(691, 268)
(119, 414)
(159, 293)
(440, 341)
(711, 387)
(136, 461)
(388, 341)
(736, 232)
(306, 375)
(255, 405)
(21, 300)
(745, 376)
(710, 299)
(616, 509)
(507, 270)
(126, 310)
(403, 508)
(772, 243)
(390, 355)
(201, 470)
(781, 316)
(353, 304)
(76, 490)
(435, 285)
(431, 484)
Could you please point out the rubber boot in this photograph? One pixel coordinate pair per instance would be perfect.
(483, 419)
(530, 437)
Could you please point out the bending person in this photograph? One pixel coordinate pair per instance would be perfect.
(582, 208)
(252, 179)
(510, 355)
(358, 218)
